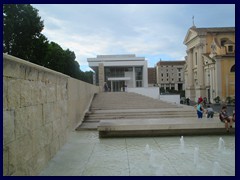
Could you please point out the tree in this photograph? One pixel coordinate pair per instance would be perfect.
(22, 38)
(21, 29)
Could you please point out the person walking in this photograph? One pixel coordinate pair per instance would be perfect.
(200, 109)
(105, 87)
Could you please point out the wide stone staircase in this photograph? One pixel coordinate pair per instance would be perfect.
(131, 114)
(128, 105)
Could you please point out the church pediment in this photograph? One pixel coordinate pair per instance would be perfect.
(191, 34)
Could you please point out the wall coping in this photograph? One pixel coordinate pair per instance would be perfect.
(22, 61)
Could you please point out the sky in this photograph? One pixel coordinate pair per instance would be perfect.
(153, 31)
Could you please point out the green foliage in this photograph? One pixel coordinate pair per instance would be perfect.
(21, 28)
(217, 99)
(22, 38)
(228, 100)
(182, 93)
(162, 90)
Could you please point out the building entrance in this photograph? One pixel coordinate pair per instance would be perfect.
(118, 86)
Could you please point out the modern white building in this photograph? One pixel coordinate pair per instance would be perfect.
(120, 71)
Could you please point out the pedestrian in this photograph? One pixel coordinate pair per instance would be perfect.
(105, 87)
(225, 118)
(200, 99)
(209, 112)
(200, 109)
(188, 101)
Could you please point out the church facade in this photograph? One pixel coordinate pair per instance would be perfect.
(210, 63)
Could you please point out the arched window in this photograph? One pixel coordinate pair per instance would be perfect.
(232, 68)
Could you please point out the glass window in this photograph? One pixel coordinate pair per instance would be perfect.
(138, 83)
(138, 73)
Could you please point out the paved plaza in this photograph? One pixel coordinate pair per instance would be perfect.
(128, 115)
(86, 155)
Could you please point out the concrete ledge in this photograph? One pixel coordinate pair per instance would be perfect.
(151, 133)
(160, 127)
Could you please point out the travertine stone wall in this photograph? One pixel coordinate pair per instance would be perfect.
(101, 76)
(80, 95)
(40, 107)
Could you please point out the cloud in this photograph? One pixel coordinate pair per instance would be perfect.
(153, 31)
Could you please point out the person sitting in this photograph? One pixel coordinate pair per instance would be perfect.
(209, 112)
(225, 118)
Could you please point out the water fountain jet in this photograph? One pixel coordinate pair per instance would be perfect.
(216, 169)
(196, 152)
(221, 144)
(182, 144)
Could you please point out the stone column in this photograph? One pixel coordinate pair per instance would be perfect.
(176, 86)
(190, 89)
(218, 78)
(200, 72)
(190, 67)
(101, 76)
(134, 77)
(201, 90)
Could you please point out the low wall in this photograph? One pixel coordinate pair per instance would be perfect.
(152, 92)
(40, 107)
(171, 98)
(80, 95)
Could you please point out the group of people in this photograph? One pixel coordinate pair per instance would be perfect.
(200, 109)
(223, 115)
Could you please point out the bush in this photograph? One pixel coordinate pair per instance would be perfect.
(228, 100)
(217, 99)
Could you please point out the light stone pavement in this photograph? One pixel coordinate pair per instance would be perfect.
(85, 154)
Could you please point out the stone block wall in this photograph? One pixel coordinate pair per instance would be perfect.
(80, 95)
(40, 107)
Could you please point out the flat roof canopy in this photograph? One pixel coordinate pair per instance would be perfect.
(119, 78)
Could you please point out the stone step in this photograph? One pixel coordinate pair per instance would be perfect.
(125, 100)
(130, 114)
(136, 116)
(161, 127)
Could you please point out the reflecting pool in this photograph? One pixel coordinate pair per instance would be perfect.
(86, 155)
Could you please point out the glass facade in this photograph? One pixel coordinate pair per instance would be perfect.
(116, 71)
(123, 72)
(139, 76)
